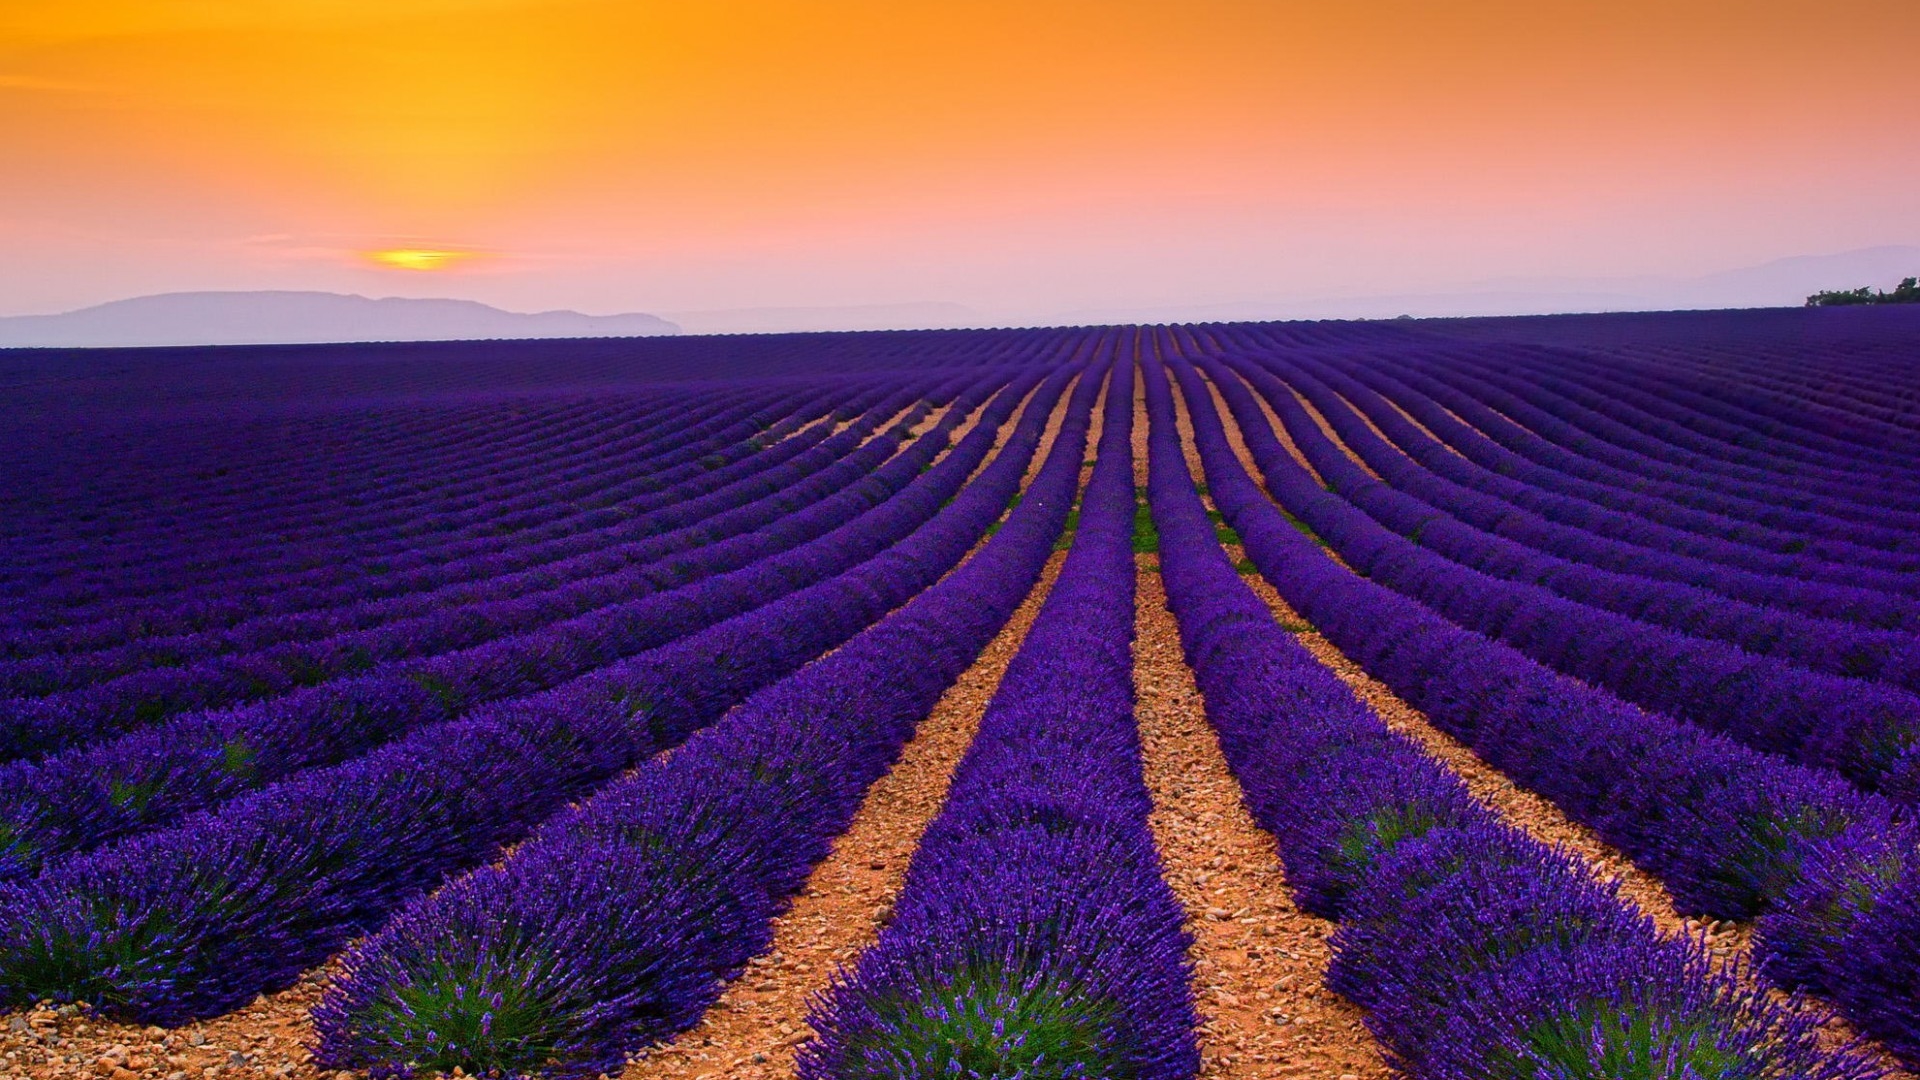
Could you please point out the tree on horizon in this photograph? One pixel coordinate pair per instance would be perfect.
(1907, 292)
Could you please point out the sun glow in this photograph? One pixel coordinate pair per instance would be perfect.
(418, 258)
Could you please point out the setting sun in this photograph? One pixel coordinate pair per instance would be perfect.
(418, 258)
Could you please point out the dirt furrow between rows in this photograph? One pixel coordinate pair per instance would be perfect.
(1729, 943)
(1525, 809)
(268, 1039)
(754, 1030)
(757, 1026)
(1258, 960)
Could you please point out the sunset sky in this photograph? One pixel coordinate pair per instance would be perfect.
(1026, 159)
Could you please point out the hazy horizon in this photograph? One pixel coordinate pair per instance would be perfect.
(265, 315)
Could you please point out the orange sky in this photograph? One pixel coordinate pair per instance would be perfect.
(1028, 159)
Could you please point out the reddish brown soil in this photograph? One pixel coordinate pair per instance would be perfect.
(267, 1040)
(760, 1020)
(1258, 959)
(1538, 816)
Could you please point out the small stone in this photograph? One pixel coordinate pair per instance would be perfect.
(235, 1057)
(197, 1039)
(1219, 914)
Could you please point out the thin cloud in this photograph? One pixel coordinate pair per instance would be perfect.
(43, 85)
(48, 21)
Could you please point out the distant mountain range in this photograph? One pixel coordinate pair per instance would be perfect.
(285, 318)
(1781, 283)
(233, 318)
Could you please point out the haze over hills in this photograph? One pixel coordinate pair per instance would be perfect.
(235, 318)
(1780, 283)
(775, 320)
(287, 318)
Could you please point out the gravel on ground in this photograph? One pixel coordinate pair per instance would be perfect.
(752, 1033)
(1258, 959)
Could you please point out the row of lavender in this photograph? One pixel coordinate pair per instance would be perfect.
(1709, 523)
(396, 581)
(356, 507)
(1861, 403)
(1461, 522)
(1476, 950)
(1771, 703)
(646, 498)
(198, 917)
(84, 797)
(402, 448)
(480, 574)
(483, 482)
(617, 924)
(206, 423)
(1566, 399)
(1789, 512)
(1034, 935)
(265, 656)
(1793, 387)
(1732, 832)
(1465, 456)
(1622, 515)
(665, 552)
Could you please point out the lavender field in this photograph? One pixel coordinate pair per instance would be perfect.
(1490, 698)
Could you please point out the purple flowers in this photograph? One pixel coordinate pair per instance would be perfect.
(192, 920)
(77, 800)
(690, 856)
(1858, 729)
(539, 678)
(1732, 832)
(1034, 936)
(1476, 950)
